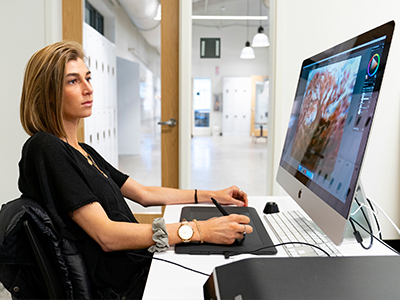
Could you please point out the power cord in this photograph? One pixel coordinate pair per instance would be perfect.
(374, 237)
(356, 233)
(170, 262)
(375, 217)
(229, 254)
(387, 217)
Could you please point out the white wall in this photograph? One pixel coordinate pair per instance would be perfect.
(233, 39)
(131, 45)
(304, 28)
(128, 85)
(26, 26)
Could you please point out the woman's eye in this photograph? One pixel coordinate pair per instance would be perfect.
(89, 79)
(73, 81)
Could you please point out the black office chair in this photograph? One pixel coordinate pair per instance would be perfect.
(35, 262)
(50, 276)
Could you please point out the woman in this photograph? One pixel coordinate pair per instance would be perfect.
(84, 195)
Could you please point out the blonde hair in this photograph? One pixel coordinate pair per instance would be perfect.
(43, 88)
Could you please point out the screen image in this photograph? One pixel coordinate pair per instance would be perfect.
(322, 117)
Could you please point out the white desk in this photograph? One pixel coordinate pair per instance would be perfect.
(167, 281)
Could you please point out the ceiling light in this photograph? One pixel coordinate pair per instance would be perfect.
(242, 18)
(260, 39)
(247, 52)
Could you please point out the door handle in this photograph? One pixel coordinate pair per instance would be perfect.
(171, 123)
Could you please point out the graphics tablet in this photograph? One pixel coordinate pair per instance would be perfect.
(258, 239)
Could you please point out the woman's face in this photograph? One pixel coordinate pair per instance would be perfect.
(78, 91)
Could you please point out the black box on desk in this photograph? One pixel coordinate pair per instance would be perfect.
(367, 277)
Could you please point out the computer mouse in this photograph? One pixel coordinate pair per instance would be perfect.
(270, 208)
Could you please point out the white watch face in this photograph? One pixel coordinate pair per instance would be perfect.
(185, 232)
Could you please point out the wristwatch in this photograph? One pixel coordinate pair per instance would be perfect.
(185, 231)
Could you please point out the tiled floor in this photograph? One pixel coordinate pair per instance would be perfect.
(216, 162)
(219, 162)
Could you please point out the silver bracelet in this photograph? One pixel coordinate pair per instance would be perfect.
(160, 236)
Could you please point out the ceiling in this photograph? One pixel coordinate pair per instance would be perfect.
(231, 8)
(142, 13)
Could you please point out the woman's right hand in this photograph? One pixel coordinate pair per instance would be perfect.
(225, 230)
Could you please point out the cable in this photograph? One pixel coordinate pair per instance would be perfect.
(379, 240)
(374, 212)
(227, 255)
(387, 217)
(375, 217)
(358, 236)
(356, 233)
(170, 262)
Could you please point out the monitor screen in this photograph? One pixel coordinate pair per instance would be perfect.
(329, 126)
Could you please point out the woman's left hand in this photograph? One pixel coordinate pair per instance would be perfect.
(232, 196)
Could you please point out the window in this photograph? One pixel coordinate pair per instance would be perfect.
(94, 18)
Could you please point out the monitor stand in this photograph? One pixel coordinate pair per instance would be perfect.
(356, 214)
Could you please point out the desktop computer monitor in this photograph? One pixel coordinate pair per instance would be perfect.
(329, 126)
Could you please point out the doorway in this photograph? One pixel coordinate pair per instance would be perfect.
(201, 106)
(215, 155)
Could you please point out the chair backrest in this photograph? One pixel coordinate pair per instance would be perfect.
(47, 268)
(35, 261)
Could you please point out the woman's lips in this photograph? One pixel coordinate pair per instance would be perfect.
(88, 103)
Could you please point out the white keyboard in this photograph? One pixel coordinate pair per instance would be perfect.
(292, 226)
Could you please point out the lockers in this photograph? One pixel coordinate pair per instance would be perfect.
(236, 103)
(101, 130)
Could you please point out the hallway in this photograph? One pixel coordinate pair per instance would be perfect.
(216, 162)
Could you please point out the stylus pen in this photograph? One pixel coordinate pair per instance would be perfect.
(220, 208)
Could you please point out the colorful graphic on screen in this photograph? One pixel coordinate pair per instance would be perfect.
(323, 114)
(373, 65)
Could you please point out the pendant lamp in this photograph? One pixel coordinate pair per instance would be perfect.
(247, 51)
(260, 39)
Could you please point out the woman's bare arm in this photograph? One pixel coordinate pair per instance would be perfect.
(114, 236)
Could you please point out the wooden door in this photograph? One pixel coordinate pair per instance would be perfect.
(72, 29)
(169, 99)
(170, 92)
